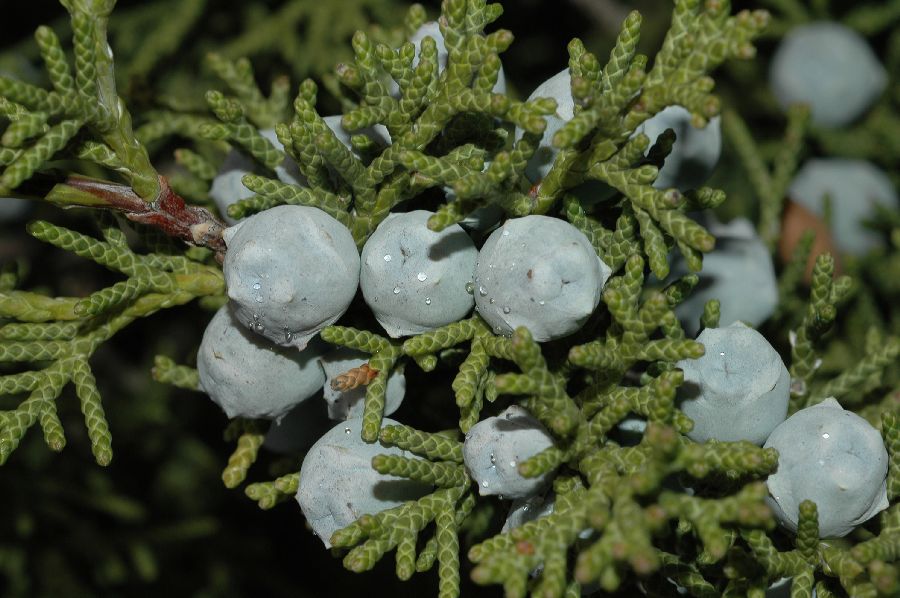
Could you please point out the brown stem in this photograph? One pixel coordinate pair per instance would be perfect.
(169, 212)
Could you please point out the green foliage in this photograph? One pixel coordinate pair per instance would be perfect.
(372, 536)
(59, 335)
(621, 512)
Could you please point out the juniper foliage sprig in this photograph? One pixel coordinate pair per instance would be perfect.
(598, 143)
(599, 514)
(372, 536)
(821, 312)
(360, 193)
(58, 335)
(44, 123)
(385, 355)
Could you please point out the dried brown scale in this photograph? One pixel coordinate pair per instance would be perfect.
(354, 378)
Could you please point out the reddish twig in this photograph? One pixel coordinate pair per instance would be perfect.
(169, 213)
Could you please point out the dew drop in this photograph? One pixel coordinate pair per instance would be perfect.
(506, 233)
(826, 436)
(493, 459)
(427, 300)
(422, 276)
(492, 300)
(346, 430)
(541, 302)
(288, 335)
(256, 286)
(722, 353)
(396, 290)
(470, 287)
(484, 483)
(506, 310)
(482, 291)
(512, 464)
(387, 258)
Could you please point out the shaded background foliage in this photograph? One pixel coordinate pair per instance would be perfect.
(158, 519)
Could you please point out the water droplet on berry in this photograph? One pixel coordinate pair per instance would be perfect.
(541, 302)
(427, 300)
(493, 459)
(482, 291)
(256, 286)
(470, 287)
(387, 258)
(506, 233)
(484, 483)
(346, 430)
(512, 464)
(422, 276)
(396, 290)
(506, 310)
(492, 300)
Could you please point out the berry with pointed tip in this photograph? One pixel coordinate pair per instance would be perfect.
(738, 389)
(833, 457)
(830, 67)
(495, 446)
(347, 404)
(695, 152)
(855, 190)
(247, 376)
(290, 271)
(414, 279)
(338, 483)
(541, 273)
(738, 272)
